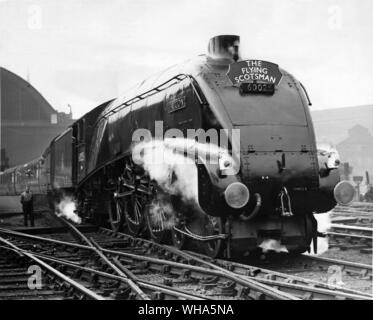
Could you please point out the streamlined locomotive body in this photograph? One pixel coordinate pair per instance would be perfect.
(268, 187)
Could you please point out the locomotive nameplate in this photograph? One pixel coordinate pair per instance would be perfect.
(254, 70)
(175, 104)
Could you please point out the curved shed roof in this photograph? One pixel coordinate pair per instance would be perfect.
(20, 101)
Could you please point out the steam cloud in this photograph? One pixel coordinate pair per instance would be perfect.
(162, 214)
(67, 208)
(328, 156)
(271, 244)
(173, 172)
(170, 162)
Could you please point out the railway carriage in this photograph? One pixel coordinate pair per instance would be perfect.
(277, 185)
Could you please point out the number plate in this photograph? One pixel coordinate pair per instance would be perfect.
(257, 88)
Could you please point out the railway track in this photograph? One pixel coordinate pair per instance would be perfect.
(351, 237)
(15, 278)
(357, 209)
(164, 276)
(354, 221)
(352, 227)
(169, 270)
(301, 287)
(110, 286)
(72, 260)
(171, 262)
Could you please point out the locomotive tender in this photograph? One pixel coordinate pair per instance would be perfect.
(279, 184)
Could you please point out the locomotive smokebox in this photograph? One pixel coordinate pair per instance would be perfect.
(224, 47)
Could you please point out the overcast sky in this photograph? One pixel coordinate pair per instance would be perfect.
(84, 52)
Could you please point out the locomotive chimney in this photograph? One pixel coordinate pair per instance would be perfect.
(224, 47)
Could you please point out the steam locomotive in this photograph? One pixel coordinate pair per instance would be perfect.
(266, 183)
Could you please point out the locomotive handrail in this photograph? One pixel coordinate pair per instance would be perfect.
(305, 91)
(152, 91)
(200, 100)
(144, 95)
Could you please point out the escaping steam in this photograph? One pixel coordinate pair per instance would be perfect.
(328, 156)
(171, 163)
(323, 221)
(174, 173)
(67, 208)
(272, 245)
(162, 215)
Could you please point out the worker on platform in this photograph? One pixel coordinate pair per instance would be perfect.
(27, 200)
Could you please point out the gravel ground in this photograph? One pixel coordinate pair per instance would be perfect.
(353, 255)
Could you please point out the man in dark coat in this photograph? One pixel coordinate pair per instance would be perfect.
(27, 200)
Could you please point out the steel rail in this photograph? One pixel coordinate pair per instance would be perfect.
(358, 266)
(132, 282)
(323, 291)
(364, 235)
(193, 255)
(362, 269)
(351, 235)
(245, 282)
(38, 238)
(59, 274)
(290, 283)
(302, 288)
(353, 221)
(354, 211)
(351, 228)
(89, 246)
(177, 293)
(260, 272)
(98, 250)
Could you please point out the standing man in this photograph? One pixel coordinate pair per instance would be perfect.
(27, 201)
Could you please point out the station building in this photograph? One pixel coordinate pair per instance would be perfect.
(27, 121)
(350, 131)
